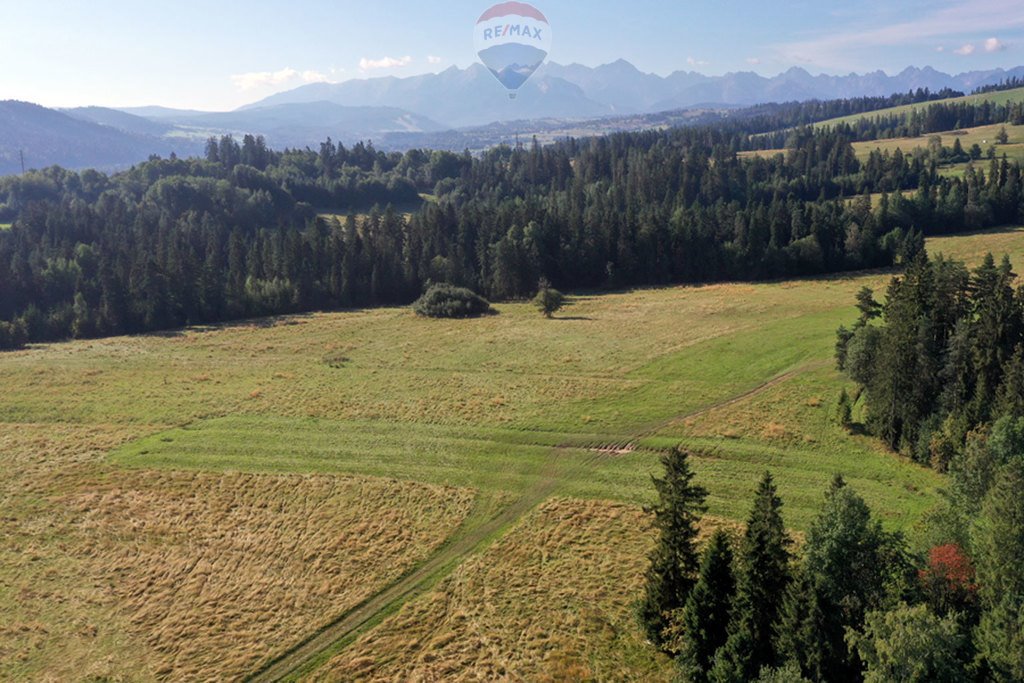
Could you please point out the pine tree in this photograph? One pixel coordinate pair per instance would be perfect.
(995, 324)
(548, 300)
(1009, 400)
(761, 589)
(706, 615)
(868, 307)
(802, 626)
(674, 562)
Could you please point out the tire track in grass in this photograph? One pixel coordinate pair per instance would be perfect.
(653, 429)
(477, 532)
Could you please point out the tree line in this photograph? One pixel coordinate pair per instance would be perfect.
(937, 117)
(247, 231)
(855, 602)
(941, 358)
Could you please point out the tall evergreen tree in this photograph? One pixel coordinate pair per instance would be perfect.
(803, 627)
(674, 562)
(761, 588)
(705, 622)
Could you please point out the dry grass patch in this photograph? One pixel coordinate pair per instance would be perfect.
(55, 623)
(550, 601)
(216, 573)
(114, 575)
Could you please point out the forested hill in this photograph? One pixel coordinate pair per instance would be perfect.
(242, 231)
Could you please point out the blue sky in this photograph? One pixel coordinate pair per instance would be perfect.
(222, 54)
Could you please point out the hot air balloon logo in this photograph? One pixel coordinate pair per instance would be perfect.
(512, 40)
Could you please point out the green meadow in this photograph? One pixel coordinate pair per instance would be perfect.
(477, 450)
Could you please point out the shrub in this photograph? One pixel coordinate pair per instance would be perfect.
(548, 300)
(447, 301)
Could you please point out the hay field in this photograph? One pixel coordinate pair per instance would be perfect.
(149, 476)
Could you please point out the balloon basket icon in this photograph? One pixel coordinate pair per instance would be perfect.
(513, 95)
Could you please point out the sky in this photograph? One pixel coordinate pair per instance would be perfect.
(221, 54)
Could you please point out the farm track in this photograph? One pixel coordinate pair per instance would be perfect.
(653, 429)
(476, 533)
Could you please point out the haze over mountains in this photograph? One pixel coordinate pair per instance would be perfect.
(397, 112)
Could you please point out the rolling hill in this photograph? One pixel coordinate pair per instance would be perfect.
(999, 97)
(50, 137)
(406, 478)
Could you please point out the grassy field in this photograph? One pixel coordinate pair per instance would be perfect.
(548, 602)
(984, 136)
(393, 432)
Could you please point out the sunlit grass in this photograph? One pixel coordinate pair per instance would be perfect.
(492, 406)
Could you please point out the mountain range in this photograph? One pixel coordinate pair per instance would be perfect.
(453, 108)
(471, 97)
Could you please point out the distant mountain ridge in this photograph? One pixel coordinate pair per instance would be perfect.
(471, 97)
(456, 98)
(453, 109)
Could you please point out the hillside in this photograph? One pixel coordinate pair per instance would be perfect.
(1001, 97)
(454, 110)
(49, 137)
(470, 417)
(235, 451)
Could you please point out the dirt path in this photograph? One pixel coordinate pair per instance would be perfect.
(739, 398)
(480, 529)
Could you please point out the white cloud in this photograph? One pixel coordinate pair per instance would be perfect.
(283, 77)
(753, 61)
(847, 48)
(994, 45)
(940, 48)
(966, 50)
(367, 64)
(696, 62)
(431, 59)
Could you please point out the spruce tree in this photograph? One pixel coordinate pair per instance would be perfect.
(706, 615)
(674, 562)
(761, 589)
(1010, 397)
(868, 307)
(802, 627)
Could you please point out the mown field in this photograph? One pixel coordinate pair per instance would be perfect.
(187, 505)
(984, 136)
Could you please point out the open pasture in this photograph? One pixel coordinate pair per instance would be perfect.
(298, 453)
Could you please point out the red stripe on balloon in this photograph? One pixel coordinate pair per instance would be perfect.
(518, 8)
